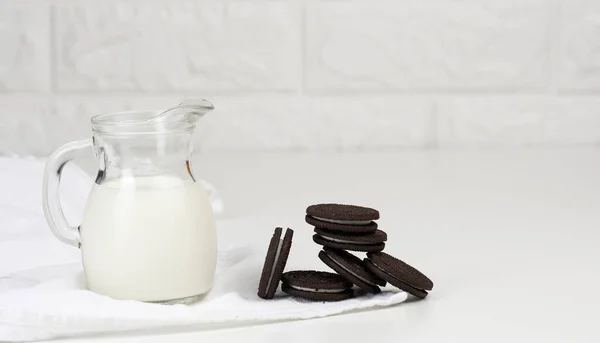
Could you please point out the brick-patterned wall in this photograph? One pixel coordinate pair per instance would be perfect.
(307, 74)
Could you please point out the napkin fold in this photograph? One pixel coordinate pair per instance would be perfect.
(52, 302)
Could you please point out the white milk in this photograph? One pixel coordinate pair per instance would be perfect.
(149, 239)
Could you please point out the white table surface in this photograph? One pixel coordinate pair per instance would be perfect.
(510, 238)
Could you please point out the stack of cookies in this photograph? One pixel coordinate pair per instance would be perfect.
(346, 227)
(340, 229)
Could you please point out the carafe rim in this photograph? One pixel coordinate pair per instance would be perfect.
(117, 124)
(181, 118)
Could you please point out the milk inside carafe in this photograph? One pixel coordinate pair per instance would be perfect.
(149, 238)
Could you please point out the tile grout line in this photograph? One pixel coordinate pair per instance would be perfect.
(303, 46)
(272, 92)
(52, 50)
(555, 41)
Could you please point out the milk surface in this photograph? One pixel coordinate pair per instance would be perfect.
(149, 239)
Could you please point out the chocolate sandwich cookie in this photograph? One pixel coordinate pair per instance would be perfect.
(344, 218)
(316, 285)
(399, 274)
(275, 261)
(351, 268)
(346, 228)
(370, 242)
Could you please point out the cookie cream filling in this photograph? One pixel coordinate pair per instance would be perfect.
(274, 263)
(353, 274)
(344, 222)
(317, 290)
(345, 241)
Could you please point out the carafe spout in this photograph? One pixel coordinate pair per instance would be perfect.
(190, 110)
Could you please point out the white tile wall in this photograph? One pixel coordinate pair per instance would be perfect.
(428, 45)
(195, 46)
(24, 47)
(523, 121)
(307, 74)
(579, 42)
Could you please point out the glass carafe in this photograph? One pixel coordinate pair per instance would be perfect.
(148, 230)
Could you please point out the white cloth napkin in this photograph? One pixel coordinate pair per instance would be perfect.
(42, 286)
(55, 303)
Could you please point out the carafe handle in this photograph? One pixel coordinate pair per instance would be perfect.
(51, 190)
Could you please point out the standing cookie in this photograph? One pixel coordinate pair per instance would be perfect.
(275, 261)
